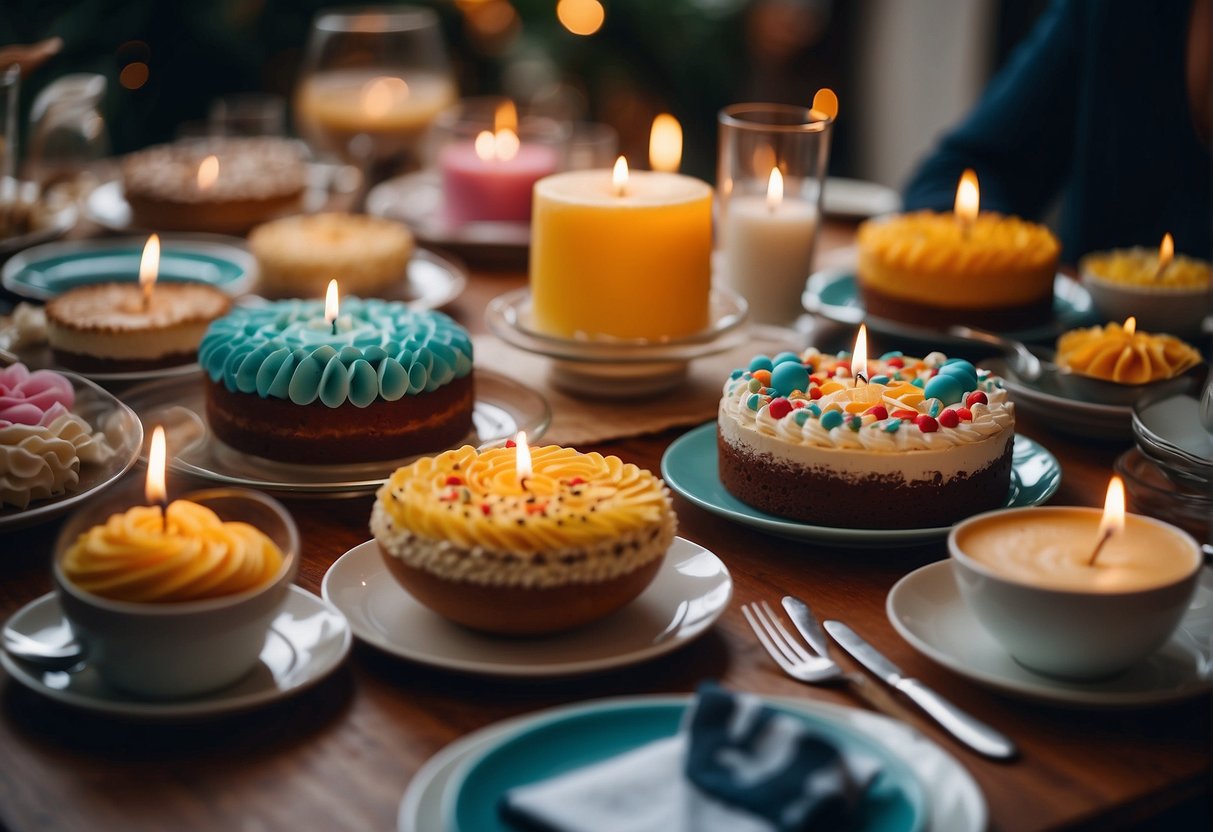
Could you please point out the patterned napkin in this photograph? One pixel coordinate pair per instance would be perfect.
(737, 766)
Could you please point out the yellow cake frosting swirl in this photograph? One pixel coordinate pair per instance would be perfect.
(185, 553)
(1139, 267)
(1123, 355)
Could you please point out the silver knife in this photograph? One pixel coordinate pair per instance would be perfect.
(968, 729)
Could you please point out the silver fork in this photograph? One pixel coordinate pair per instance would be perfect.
(813, 668)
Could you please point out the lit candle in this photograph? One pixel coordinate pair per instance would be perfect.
(208, 173)
(1166, 253)
(332, 306)
(1113, 519)
(621, 254)
(149, 269)
(766, 244)
(859, 356)
(492, 178)
(665, 144)
(968, 200)
(522, 458)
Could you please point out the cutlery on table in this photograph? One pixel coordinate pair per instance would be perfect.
(963, 726)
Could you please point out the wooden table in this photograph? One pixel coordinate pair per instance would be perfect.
(340, 755)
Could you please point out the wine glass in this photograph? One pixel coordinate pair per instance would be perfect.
(373, 80)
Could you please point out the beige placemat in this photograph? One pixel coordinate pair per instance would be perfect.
(583, 421)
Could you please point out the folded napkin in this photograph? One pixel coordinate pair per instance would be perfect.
(736, 766)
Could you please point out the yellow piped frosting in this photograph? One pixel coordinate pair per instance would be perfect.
(185, 553)
(1115, 354)
(1139, 267)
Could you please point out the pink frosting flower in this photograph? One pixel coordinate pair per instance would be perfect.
(32, 398)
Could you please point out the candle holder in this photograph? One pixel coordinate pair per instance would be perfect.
(770, 177)
(166, 650)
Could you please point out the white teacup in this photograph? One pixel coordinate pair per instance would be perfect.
(166, 650)
(1056, 616)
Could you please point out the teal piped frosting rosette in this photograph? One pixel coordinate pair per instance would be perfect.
(381, 350)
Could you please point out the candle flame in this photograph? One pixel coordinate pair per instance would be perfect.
(1130, 325)
(485, 146)
(968, 197)
(522, 457)
(208, 172)
(379, 95)
(774, 189)
(859, 356)
(1166, 251)
(149, 266)
(619, 177)
(154, 489)
(331, 304)
(665, 144)
(825, 105)
(1113, 520)
(502, 144)
(505, 117)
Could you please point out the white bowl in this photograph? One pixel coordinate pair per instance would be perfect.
(1178, 310)
(1068, 633)
(177, 650)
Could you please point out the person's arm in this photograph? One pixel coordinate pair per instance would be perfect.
(29, 56)
(1019, 136)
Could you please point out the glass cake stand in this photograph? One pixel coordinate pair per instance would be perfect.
(617, 368)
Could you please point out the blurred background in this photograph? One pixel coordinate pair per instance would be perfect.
(904, 70)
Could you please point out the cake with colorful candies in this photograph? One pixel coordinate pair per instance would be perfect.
(116, 327)
(929, 269)
(1124, 355)
(575, 538)
(910, 443)
(380, 382)
(43, 444)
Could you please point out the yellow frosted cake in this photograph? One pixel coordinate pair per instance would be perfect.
(576, 539)
(1124, 355)
(928, 269)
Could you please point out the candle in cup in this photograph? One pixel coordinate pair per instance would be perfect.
(621, 254)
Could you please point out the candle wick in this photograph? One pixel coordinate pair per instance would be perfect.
(861, 377)
(1162, 267)
(523, 482)
(1099, 546)
(334, 326)
(164, 515)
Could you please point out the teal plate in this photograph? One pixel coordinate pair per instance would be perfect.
(689, 468)
(835, 295)
(42, 272)
(896, 801)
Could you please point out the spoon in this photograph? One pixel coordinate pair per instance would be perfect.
(48, 656)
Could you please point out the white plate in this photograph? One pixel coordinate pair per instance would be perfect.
(121, 427)
(925, 607)
(1174, 424)
(1046, 402)
(690, 592)
(430, 281)
(416, 199)
(856, 199)
(307, 641)
(954, 800)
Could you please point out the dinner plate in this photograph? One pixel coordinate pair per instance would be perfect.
(57, 223)
(42, 272)
(925, 607)
(502, 408)
(856, 199)
(834, 294)
(689, 468)
(562, 742)
(690, 592)
(306, 641)
(954, 800)
(429, 281)
(1045, 400)
(121, 427)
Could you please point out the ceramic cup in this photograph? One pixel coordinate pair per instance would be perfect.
(1073, 633)
(180, 649)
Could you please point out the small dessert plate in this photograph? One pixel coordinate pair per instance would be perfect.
(690, 592)
(1045, 400)
(953, 799)
(42, 272)
(430, 281)
(689, 468)
(306, 642)
(925, 607)
(502, 408)
(107, 415)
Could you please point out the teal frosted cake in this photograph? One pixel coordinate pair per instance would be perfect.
(383, 383)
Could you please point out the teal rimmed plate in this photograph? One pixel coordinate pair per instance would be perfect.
(689, 468)
(42, 272)
(569, 739)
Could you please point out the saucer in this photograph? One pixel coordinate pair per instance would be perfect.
(689, 468)
(954, 800)
(690, 592)
(306, 642)
(1047, 402)
(502, 408)
(834, 294)
(416, 199)
(42, 272)
(925, 607)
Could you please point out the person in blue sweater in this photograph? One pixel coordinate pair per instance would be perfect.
(1107, 104)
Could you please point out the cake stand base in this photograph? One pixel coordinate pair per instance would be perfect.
(616, 381)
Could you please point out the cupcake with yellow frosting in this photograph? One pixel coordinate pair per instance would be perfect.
(507, 545)
(1124, 355)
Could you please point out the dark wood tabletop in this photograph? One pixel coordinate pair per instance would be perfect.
(340, 755)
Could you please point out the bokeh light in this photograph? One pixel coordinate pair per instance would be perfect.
(581, 17)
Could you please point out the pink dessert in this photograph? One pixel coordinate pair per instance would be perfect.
(494, 189)
(33, 398)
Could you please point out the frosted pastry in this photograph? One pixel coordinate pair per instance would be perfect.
(1124, 355)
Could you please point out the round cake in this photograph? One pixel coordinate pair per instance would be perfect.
(385, 382)
(298, 255)
(927, 269)
(576, 539)
(918, 443)
(110, 327)
(225, 185)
